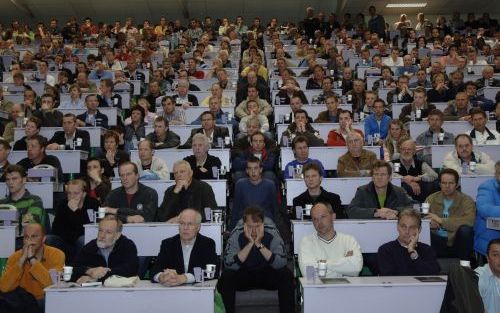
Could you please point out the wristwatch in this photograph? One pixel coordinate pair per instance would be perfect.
(414, 255)
(260, 246)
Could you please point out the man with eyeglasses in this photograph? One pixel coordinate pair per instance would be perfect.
(111, 253)
(180, 254)
(27, 271)
(379, 198)
(356, 161)
(452, 215)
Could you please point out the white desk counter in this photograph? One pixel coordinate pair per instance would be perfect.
(48, 132)
(370, 234)
(146, 297)
(70, 159)
(470, 183)
(148, 236)
(373, 294)
(7, 241)
(44, 190)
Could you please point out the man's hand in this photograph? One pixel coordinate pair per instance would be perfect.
(173, 220)
(85, 279)
(97, 272)
(179, 185)
(135, 219)
(260, 234)
(53, 146)
(415, 187)
(407, 179)
(386, 213)
(170, 278)
(435, 219)
(412, 246)
(110, 210)
(95, 176)
(248, 234)
(24, 256)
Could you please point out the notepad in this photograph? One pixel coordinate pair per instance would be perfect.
(333, 281)
(430, 279)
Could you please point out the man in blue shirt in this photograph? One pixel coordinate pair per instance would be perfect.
(408, 69)
(300, 148)
(254, 190)
(377, 124)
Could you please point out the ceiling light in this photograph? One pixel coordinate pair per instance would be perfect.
(407, 5)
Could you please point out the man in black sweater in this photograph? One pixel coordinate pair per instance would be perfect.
(406, 256)
(315, 193)
(110, 253)
(133, 202)
(187, 192)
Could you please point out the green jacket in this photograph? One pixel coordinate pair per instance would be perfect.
(28, 204)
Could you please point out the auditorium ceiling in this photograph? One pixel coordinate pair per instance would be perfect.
(107, 10)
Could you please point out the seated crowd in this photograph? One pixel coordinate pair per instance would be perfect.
(389, 99)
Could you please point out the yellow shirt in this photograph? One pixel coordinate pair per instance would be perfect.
(32, 278)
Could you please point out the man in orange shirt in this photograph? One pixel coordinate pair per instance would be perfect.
(28, 268)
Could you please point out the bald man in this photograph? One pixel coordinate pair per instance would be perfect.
(180, 254)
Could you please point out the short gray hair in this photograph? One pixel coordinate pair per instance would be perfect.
(198, 214)
(201, 137)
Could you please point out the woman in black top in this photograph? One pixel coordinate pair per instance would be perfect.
(111, 156)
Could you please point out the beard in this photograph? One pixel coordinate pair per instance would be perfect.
(104, 245)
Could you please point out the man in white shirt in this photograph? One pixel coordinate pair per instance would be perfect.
(465, 155)
(43, 74)
(341, 252)
(480, 134)
(150, 167)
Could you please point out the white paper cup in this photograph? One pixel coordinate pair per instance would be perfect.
(67, 272)
(210, 267)
(425, 208)
(307, 210)
(101, 212)
(472, 166)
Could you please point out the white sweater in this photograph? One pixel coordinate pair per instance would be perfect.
(313, 249)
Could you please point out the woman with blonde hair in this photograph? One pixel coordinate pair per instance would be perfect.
(397, 134)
